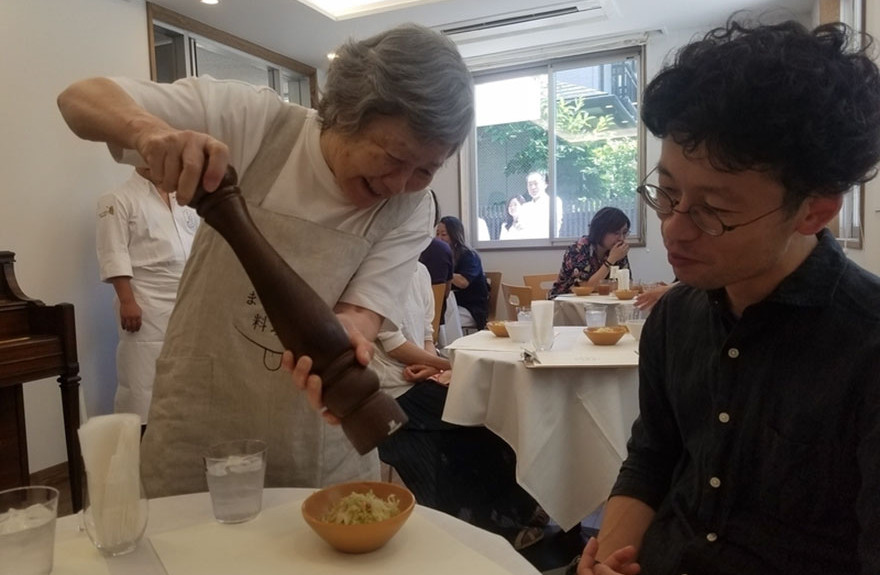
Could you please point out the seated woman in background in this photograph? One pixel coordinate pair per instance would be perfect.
(468, 280)
(589, 260)
(512, 228)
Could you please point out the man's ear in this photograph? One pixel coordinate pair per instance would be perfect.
(819, 210)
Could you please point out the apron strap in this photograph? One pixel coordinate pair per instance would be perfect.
(273, 154)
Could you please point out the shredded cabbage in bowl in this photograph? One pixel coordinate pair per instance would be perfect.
(360, 508)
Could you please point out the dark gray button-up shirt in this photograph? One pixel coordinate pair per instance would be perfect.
(758, 442)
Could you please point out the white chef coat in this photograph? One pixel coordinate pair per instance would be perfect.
(141, 237)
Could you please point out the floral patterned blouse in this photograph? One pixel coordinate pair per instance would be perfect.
(579, 262)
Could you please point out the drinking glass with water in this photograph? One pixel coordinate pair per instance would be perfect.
(27, 530)
(235, 471)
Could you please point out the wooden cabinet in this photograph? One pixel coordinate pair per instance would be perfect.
(36, 341)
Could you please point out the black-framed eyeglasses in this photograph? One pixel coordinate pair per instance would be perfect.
(704, 217)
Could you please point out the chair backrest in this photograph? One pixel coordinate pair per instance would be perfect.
(494, 279)
(451, 328)
(540, 284)
(514, 297)
(439, 297)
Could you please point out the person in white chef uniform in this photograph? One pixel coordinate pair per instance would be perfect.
(143, 241)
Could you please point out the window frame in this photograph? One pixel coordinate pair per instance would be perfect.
(848, 226)
(514, 67)
(163, 17)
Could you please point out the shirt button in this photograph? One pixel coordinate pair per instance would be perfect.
(723, 417)
(711, 537)
(733, 353)
(715, 482)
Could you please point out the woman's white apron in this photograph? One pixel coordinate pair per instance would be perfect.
(219, 376)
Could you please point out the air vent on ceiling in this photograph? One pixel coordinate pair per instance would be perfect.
(511, 20)
(559, 14)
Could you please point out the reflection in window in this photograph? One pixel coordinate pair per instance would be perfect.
(542, 171)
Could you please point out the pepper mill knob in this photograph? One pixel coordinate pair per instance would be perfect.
(302, 321)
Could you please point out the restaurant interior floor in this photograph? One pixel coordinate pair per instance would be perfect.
(555, 551)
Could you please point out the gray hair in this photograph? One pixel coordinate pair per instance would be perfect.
(409, 71)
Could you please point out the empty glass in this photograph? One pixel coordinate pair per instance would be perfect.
(635, 319)
(542, 325)
(595, 317)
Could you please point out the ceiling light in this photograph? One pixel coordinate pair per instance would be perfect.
(345, 9)
(210, 2)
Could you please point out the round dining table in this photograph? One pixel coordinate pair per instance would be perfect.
(182, 538)
(566, 412)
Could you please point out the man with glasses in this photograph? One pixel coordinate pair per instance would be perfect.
(758, 445)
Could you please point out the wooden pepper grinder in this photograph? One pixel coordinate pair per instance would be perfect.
(302, 321)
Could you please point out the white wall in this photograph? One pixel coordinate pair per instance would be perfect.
(51, 181)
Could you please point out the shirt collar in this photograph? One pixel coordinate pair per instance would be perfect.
(813, 283)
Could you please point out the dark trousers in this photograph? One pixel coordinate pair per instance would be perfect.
(467, 472)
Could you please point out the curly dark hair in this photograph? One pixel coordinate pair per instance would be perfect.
(606, 221)
(798, 105)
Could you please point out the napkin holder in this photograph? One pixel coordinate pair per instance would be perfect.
(115, 514)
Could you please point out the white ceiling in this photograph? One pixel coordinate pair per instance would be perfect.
(295, 30)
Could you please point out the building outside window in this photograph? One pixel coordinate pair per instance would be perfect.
(539, 171)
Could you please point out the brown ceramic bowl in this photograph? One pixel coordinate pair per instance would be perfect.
(608, 335)
(356, 538)
(626, 293)
(498, 328)
(582, 290)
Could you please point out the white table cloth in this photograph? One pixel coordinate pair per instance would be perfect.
(567, 425)
(569, 308)
(183, 538)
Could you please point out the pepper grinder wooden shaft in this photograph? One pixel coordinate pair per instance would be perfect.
(302, 321)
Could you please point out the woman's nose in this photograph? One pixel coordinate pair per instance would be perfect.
(397, 182)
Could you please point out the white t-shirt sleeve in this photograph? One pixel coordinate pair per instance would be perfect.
(381, 281)
(428, 299)
(112, 236)
(390, 340)
(236, 113)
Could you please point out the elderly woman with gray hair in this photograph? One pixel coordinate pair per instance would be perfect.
(338, 191)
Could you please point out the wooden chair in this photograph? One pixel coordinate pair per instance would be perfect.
(540, 284)
(494, 289)
(514, 297)
(439, 297)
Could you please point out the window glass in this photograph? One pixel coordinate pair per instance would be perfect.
(542, 171)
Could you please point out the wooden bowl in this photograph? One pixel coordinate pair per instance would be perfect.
(498, 328)
(581, 290)
(625, 293)
(608, 335)
(356, 538)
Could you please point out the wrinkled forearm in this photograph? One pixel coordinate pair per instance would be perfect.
(98, 109)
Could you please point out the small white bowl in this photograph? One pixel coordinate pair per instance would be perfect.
(519, 331)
